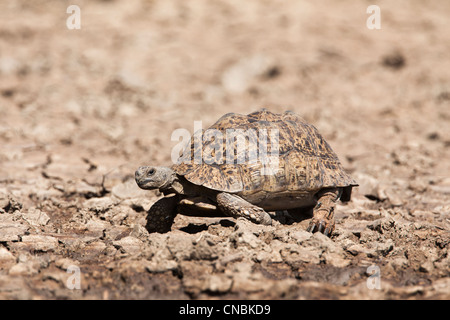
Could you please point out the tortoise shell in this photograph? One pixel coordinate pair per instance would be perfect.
(282, 153)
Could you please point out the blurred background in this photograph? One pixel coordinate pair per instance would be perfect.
(136, 70)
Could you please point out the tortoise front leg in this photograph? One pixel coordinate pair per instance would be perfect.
(161, 215)
(323, 213)
(234, 206)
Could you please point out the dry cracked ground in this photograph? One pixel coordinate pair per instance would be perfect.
(81, 109)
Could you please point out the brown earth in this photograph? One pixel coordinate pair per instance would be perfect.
(81, 109)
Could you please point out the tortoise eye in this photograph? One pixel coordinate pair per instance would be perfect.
(151, 172)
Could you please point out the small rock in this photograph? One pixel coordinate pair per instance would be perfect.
(21, 269)
(383, 248)
(139, 232)
(128, 190)
(4, 204)
(442, 210)
(393, 197)
(387, 223)
(443, 265)
(381, 225)
(426, 267)
(180, 246)
(354, 227)
(238, 256)
(319, 240)
(219, 283)
(375, 226)
(97, 226)
(245, 238)
(332, 253)
(294, 254)
(29, 267)
(81, 187)
(336, 259)
(366, 214)
(357, 249)
(9, 204)
(100, 205)
(419, 186)
(205, 249)
(399, 263)
(117, 232)
(282, 234)
(300, 235)
(244, 281)
(95, 248)
(36, 217)
(368, 236)
(40, 242)
(161, 265)
(369, 186)
(129, 245)
(65, 263)
(6, 256)
(11, 232)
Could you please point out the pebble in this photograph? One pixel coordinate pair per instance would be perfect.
(161, 265)
(36, 217)
(298, 254)
(6, 256)
(100, 205)
(128, 190)
(12, 232)
(369, 186)
(65, 263)
(40, 242)
(97, 226)
(358, 248)
(300, 235)
(129, 245)
(219, 283)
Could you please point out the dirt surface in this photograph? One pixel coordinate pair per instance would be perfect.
(81, 109)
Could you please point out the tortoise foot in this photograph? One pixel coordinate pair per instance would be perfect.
(161, 215)
(324, 226)
(323, 214)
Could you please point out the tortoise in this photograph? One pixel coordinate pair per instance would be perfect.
(307, 174)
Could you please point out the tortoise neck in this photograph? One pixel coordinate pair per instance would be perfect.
(172, 185)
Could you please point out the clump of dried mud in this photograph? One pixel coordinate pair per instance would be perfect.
(82, 109)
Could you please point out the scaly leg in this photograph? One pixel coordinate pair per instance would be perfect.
(161, 215)
(323, 214)
(234, 206)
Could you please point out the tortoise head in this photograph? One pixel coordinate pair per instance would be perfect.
(150, 178)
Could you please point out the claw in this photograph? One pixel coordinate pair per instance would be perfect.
(321, 227)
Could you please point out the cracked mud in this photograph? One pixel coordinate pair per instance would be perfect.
(81, 109)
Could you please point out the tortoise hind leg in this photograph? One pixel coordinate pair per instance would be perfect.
(234, 206)
(161, 215)
(323, 212)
